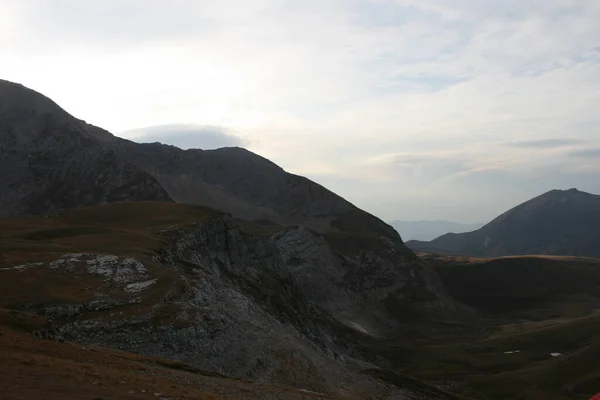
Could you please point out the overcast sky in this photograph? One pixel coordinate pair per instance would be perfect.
(411, 109)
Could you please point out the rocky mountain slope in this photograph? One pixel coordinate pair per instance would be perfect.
(349, 262)
(197, 286)
(429, 230)
(274, 287)
(560, 222)
(51, 160)
(33, 368)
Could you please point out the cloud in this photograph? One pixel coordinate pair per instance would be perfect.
(586, 153)
(550, 143)
(187, 136)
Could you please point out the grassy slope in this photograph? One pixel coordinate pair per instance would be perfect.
(123, 229)
(32, 368)
(537, 305)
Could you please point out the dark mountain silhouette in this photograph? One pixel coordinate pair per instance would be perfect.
(52, 161)
(559, 222)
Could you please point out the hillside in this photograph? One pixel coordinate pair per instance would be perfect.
(531, 333)
(559, 222)
(270, 292)
(429, 230)
(33, 368)
(349, 262)
(265, 303)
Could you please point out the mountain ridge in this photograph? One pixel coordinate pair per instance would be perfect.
(558, 222)
(232, 179)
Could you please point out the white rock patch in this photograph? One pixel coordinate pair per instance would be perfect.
(113, 269)
(139, 286)
(358, 327)
(311, 392)
(23, 267)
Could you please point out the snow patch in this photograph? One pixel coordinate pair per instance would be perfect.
(512, 352)
(556, 354)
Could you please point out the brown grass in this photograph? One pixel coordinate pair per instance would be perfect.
(123, 229)
(32, 369)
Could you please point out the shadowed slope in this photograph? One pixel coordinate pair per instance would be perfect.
(560, 222)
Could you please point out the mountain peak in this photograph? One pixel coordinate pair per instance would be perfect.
(571, 191)
(558, 222)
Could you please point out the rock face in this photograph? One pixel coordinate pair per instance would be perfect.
(559, 222)
(282, 308)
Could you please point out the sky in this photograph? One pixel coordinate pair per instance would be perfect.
(410, 109)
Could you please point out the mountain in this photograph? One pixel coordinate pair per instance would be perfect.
(52, 161)
(272, 279)
(145, 271)
(559, 222)
(208, 292)
(429, 230)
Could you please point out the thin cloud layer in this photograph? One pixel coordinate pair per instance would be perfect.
(545, 143)
(187, 136)
(412, 109)
(587, 153)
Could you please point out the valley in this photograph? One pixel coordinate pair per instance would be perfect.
(59, 289)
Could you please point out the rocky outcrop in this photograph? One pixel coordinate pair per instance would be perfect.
(223, 299)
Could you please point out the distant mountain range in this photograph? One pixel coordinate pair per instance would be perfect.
(559, 222)
(429, 230)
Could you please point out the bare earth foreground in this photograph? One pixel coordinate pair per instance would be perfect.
(32, 368)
